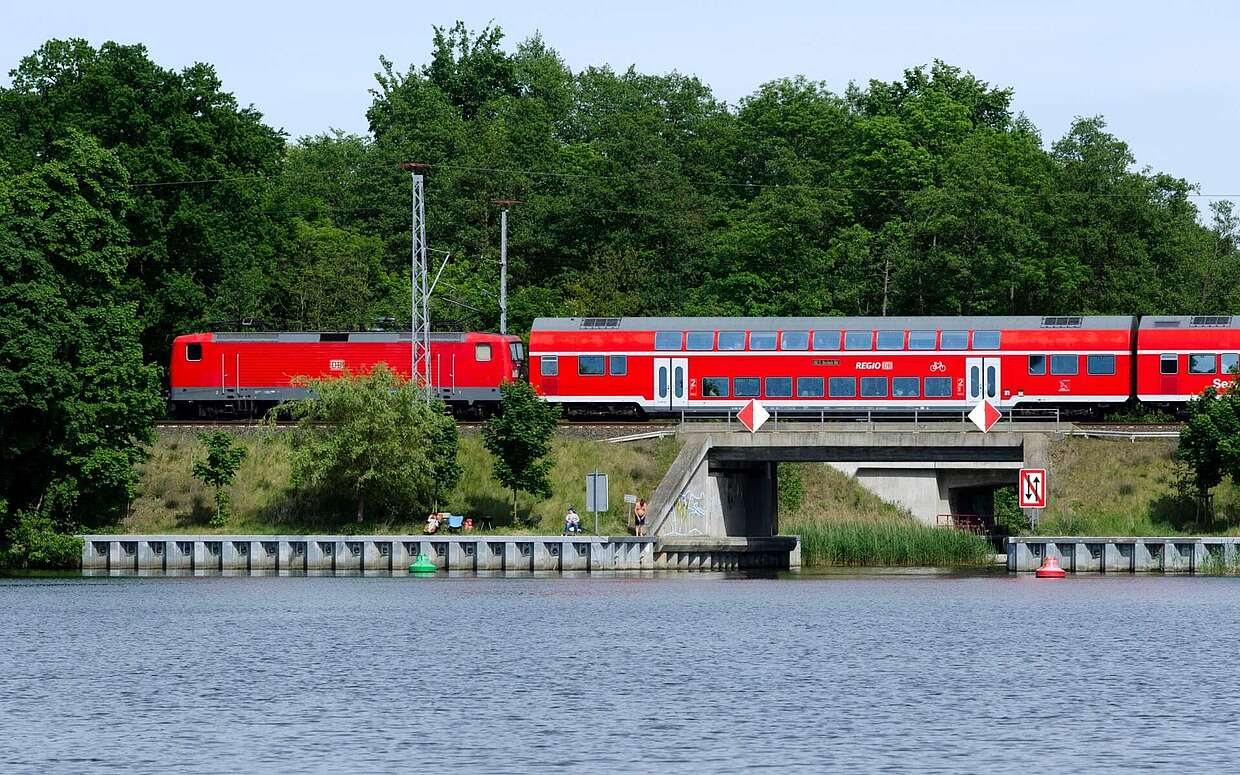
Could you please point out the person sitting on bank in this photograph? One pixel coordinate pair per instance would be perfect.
(639, 518)
(572, 522)
(432, 523)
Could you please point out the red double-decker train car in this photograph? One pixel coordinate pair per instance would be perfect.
(1180, 356)
(659, 365)
(243, 373)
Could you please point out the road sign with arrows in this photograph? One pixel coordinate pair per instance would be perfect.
(1032, 488)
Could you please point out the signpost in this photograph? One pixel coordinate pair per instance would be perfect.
(596, 495)
(1032, 488)
(752, 415)
(985, 415)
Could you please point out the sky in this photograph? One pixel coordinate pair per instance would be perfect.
(1163, 74)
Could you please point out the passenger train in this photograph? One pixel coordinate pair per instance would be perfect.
(652, 366)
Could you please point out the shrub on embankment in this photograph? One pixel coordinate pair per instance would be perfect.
(902, 542)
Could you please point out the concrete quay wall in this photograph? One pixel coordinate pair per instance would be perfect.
(1119, 554)
(388, 553)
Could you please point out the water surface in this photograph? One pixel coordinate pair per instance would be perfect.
(687, 672)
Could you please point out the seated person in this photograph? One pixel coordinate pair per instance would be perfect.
(432, 523)
(469, 523)
(572, 522)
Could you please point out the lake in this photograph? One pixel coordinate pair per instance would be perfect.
(909, 671)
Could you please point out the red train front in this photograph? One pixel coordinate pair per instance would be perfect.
(944, 363)
(219, 374)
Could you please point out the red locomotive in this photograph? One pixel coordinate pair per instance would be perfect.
(233, 373)
(656, 365)
(672, 365)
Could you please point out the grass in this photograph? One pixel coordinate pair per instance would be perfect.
(170, 500)
(1107, 487)
(842, 523)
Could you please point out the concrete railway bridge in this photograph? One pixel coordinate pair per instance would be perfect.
(723, 483)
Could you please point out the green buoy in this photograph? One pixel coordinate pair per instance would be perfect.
(422, 564)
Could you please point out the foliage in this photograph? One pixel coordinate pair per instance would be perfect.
(903, 542)
(791, 489)
(1009, 518)
(36, 542)
(1210, 440)
(520, 441)
(76, 399)
(219, 468)
(375, 439)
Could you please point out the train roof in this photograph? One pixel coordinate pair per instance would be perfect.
(998, 322)
(1190, 321)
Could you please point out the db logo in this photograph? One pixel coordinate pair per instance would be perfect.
(337, 364)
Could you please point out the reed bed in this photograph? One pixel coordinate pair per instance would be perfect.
(902, 542)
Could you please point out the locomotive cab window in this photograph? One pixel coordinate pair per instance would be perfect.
(193, 352)
(549, 366)
(954, 340)
(985, 340)
(1201, 363)
(482, 353)
(714, 387)
(1100, 364)
(667, 340)
(921, 340)
(826, 340)
(891, 340)
(516, 351)
(746, 387)
(1169, 363)
(1037, 365)
(1064, 365)
(700, 340)
(762, 340)
(618, 365)
(858, 340)
(794, 340)
(731, 340)
(590, 365)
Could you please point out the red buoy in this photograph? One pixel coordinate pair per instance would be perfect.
(1050, 569)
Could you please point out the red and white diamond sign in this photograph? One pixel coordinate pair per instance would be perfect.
(985, 415)
(752, 415)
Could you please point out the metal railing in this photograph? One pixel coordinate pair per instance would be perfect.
(871, 419)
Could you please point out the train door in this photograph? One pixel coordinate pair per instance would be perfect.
(984, 379)
(671, 383)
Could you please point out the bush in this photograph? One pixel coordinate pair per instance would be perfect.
(35, 543)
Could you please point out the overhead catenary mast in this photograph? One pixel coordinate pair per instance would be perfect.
(503, 261)
(420, 292)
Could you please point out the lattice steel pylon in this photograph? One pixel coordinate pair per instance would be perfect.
(420, 291)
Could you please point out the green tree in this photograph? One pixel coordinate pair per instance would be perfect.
(77, 402)
(219, 468)
(375, 439)
(1210, 441)
(520, 441)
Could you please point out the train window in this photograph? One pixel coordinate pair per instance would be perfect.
(667, 340)
(954, 340)
(779, 387)
(1100, 364)
(618, 365)
(762, 340)
(905, 387)
(938, 387)
(549, 365)
(921, 340)
(874, 387)
(985, 340)
(809, 387)
(517, 351)
(1037, 365)
(746, 387)
(714, 387)
(482, 352)
(1169, 363)
(731, 340)
(1201, 363)
(858, 340)
(891, 340)
(590, 365)
(826, 340)
(842, 387)
(992, 382)
(1228, 363)
(1065, 365)
(794, 340)
(975, 381)
(700, 340)
(193, 352)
